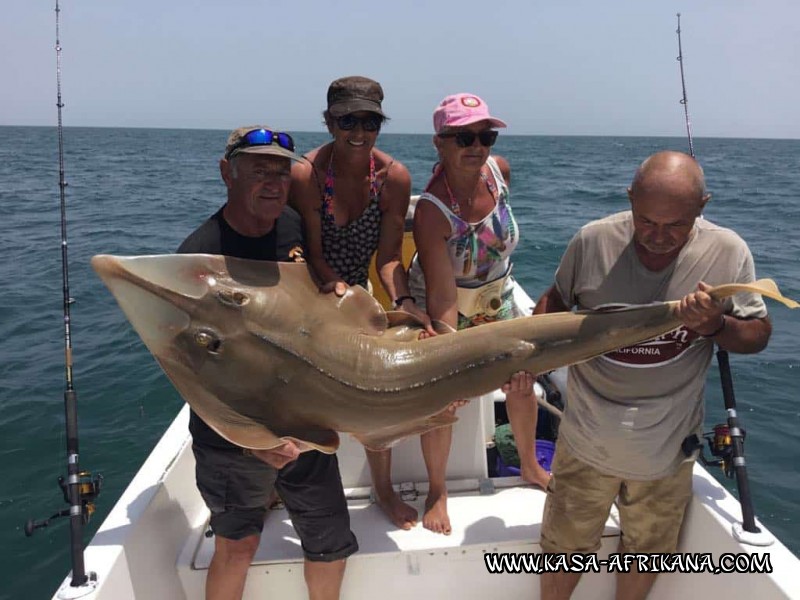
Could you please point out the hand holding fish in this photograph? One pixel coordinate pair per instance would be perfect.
(337, 286)
(700, 312)
(412, 309)
(279, 456)
(521, 383)
(430, 331)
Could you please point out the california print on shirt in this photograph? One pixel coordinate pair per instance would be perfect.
(656, 352)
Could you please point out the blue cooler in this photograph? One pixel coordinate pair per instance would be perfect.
(544, 454)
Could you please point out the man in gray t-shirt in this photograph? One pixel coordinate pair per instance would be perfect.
(629, 411)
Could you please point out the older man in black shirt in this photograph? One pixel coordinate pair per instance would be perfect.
(236, 483)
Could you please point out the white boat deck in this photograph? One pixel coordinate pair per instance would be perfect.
(152, 544)
(487, 515)
(489, 522)
(481, 524)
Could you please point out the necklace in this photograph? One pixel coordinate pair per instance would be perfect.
(454, 206)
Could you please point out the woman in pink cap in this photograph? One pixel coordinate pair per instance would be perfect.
(465, 234)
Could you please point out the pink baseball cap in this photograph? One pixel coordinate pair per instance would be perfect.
(462, 109)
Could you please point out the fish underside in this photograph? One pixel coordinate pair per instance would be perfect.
(262, 356)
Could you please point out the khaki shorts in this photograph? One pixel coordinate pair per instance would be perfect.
(580, 497)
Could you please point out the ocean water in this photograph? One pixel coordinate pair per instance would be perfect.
(141, 191)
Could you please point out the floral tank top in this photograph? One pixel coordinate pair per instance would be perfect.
(480, 252)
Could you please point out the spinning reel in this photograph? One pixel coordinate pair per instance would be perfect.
(720, 444)
(89, 487)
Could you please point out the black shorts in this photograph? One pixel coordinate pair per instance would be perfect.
(236, 488)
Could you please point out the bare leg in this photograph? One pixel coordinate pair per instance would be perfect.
(633, 585)
(380, 466)
(436, 451)
(523, 414)
(228, 569)
(558, 586)
(324, 579)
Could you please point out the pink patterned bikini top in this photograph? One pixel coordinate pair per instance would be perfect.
(348, 249)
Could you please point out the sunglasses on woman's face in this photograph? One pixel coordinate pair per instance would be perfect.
(465, 139)
(370, 123)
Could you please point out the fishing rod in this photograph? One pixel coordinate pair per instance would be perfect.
(684, 101)
(80, 488)
(727, 443)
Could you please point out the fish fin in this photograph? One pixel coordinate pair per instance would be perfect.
(246, 432)
(324, 440)
(765, 287)
(357, 306)
(361, 310)
(229, 423)
(388, 436)
(234, 427)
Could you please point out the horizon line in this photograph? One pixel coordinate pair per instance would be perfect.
(296, 131)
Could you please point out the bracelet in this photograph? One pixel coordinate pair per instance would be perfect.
(400, 299)
(718, 330)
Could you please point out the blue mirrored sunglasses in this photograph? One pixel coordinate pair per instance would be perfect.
(262, 137)
(372, 122)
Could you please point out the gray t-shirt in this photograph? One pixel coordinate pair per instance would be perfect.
(628, 411)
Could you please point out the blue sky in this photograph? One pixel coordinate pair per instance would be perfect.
(577, 67)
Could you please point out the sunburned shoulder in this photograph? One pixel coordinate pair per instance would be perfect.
(301, 167)
(429, 218)
(314, 159)
(383, 160)
(397, 178)
(503, 165)
(304, 191)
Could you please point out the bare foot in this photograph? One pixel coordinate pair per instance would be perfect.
(400, 514)
(436, 518)
(536, 475)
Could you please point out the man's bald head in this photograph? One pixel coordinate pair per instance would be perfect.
(673, 176)
(667, 195)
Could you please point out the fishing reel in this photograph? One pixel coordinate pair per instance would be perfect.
(89, 488)
(720, 445)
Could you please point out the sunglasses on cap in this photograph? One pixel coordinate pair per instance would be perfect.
(465, 139)
(369, 123)
(262, 137)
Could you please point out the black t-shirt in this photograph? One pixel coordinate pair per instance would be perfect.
(216, 236)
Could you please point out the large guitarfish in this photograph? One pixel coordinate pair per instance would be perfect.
(261, 355)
